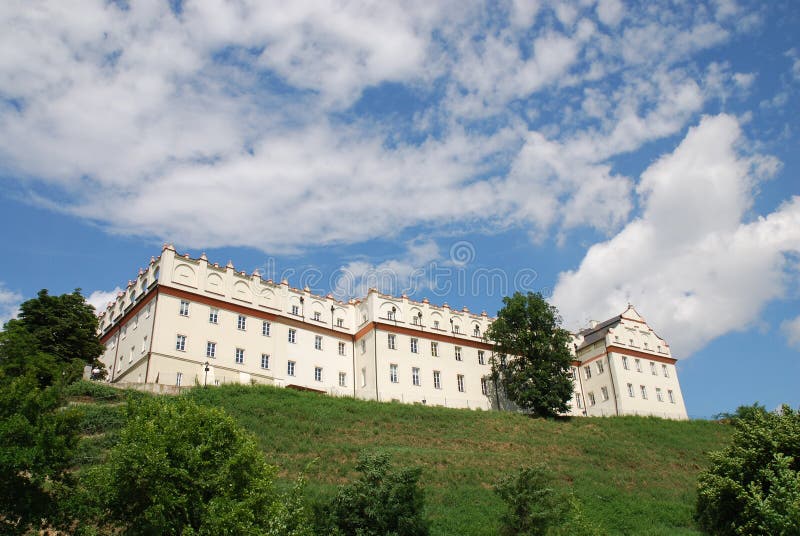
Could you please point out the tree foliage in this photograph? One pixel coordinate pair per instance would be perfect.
(382, 502)
(753, 486)
(534, 376)
(182, 468)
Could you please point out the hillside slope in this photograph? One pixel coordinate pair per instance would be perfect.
(632, 475)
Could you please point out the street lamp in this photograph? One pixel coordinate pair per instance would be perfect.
(206, 367)
(332, 310)
(419, 315)
(394, 314)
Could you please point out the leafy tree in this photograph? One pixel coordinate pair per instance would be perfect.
(534, 376)
(182, 468)
(383, 502)
(753, 485)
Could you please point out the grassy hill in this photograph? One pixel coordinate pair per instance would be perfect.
(632, 475)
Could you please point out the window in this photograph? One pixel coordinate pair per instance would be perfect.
(363, 346)
(391, 341)
(290, 368)
(318, 342)
(390, 315)
(393, 373)
(184, 309)
(604, 392)
(342, 379)
(414, 343)
(456, 328)
(599, 367)
(484, 387)
(460, 382)
(363, 376)
(144, 344)
(665, 370)
(317, 316)
(653, 369)
(625, 363)
(659, 396)
(180, 343)
(458, 353)
(341, 348)
(265, 361)
(317, 374)
(630, 390)
(592, 400)
(481, 357)
(239, 356)
(211, 349)
(477, 331)
(578, 401)
(587, 372)
(213, 315)
(241, 322)
(124, 331)
(415, 376)
(179, 379)
(643, 389)
(503, 360)
(434, 349)
(135, 321)
(292, 335)
(437, 379)
(671, 396)
(296, 310)
(415, 320)
(147, 311)
(435, 324)
(340, 322)
(265, 328)
(130, 355)
(638, 365)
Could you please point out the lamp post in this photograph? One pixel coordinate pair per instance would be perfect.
(419, 315)
(394, 314)
(451, 326)
(206, 367)
(302, 307)
(332, 310)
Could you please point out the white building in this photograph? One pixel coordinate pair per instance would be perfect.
(187, 321)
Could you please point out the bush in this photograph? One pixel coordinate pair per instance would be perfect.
(95, 390)
(181, 468)
(753, 486)
(381, 502)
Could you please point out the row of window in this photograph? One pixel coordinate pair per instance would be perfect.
(587, 369)
(417, 321)
(414, 347)
(631, 393)
(241, 322)
(211, 348)
(437, 379)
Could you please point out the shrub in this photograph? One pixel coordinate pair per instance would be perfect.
(753, 486)
(381, 502)
(95, 390)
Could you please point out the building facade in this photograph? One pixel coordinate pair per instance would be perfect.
(187, 321)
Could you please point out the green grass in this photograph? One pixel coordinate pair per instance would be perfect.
(632, 475)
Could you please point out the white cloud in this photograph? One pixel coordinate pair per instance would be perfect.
(610, 12)
(791, 329)
(692, 263)
(9, 304)
(99, 299)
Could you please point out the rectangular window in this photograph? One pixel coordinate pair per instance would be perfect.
(435, 324)
(213, 316)
(180, 343)
(484, 387)
(266, 327)
(317, 374)
(415, 320)
(391, 341)
(630, 390)
(265, 361)
(599, 367)
(135, 321)
(124, 331)
(458, 353)
(578, 401)
(341, 348)
(184, 310)
(415, 376)
(296, 310)
(659, 396)
(211, 349)
(665, 370)
(587, 372)
(147, 311)
(604, 392)
(317, 316)
(318, 342)
(638, 365)
(592, 400)
(414, 343)
(653, 369)
(241, 322)
(393, 373)
(625, 363)
(179, 379)
(292, 335)
(671, 396)
(643, 389)
(290, 368)
(130, 355)
(363, 346)
(339, 322)
(481, 357)
(239, 356)
(342, 379)
(434, 349)
(460, 382)
(144, 344)
(437, 379)
(363, 376)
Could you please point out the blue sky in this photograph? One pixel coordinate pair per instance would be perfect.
(600, 152)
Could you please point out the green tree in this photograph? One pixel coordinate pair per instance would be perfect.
(382, 502)
(753, 485)
(534, 375)
(182, 468)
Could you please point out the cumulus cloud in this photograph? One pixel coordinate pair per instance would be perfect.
(9, 304)
(99, 299)
(791, 329)
(692, 263)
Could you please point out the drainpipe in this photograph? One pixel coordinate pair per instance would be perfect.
(116, 353)
(613, 387)
(375, 341)
(152, 336)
